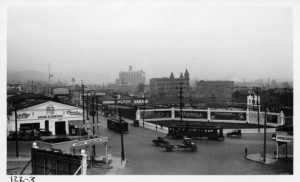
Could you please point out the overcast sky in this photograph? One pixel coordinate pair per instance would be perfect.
(212, 42)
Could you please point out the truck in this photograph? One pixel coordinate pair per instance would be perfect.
(234, 133)
(188, 145)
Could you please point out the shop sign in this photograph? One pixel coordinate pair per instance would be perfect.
(76, 113)
(140, 101)
(50, 116)
(23, 115)
(284, 138)
(124, 101)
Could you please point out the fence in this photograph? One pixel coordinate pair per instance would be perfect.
(217, 115)
(46, 162)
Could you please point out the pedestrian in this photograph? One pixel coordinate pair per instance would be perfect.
(246, 152)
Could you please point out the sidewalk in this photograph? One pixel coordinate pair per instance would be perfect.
(114, 168)
(270, 159)
(259, 158)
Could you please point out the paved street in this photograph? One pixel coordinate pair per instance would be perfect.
(213, 157)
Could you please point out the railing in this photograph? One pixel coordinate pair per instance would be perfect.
(78, 170)
(217, 115)
(154, 127)
(21, 173)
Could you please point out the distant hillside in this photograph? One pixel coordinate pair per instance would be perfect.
(31, 75)
(23, 76)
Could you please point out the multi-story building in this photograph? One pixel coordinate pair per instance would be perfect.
(131, 77)
(170, 86)
(14, 88)
(214, 91)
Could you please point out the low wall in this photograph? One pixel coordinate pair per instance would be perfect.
(164, 130)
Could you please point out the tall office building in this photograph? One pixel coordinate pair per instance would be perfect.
(131, 77)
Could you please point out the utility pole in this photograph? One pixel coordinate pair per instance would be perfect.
(97, 107)
(115, 106)
(87, 104)
(93, 112)
(265, 132)
(16, 130)
(144, 98)
(258, 108)
(180, 96)
(82, 86)
(122, 143)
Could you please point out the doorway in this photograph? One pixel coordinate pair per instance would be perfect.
(60, 128)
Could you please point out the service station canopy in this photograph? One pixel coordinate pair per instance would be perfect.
(90, 142)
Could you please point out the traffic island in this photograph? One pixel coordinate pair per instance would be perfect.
(270, 158)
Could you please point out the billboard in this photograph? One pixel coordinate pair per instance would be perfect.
(191, 114)
(228, 116)
(156, 114)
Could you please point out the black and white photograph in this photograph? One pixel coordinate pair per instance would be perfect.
(148, 88)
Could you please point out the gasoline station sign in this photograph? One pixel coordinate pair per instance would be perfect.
(284, 138)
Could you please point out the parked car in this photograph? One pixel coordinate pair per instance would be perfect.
(43, 132)
(11, 136)
(27, 135)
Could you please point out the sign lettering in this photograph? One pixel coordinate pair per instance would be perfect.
(284, 138)
(23, 115)
(74, 113)
(192, 114)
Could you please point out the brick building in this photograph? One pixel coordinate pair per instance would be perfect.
(214, 92)
(170, 86)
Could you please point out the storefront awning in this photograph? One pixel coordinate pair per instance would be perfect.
(76, 122)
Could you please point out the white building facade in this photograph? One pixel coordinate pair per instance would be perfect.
(56, 117)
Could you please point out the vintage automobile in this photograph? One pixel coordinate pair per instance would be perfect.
(187, 145)
(235, 133)
(160, 142)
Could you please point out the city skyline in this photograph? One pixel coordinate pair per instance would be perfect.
(216, 43)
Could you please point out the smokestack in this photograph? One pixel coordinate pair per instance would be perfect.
(130, 68)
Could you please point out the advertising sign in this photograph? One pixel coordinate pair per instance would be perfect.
(191, 114)
(284, 138)
(228, 116)
(156, 114)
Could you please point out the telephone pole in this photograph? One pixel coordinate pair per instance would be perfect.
(180, 96)
(82, 86)
(144, 98)
(258, 107)
(16, 130)
(265, 132)
(93, 112)
(122, 143)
